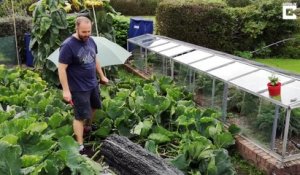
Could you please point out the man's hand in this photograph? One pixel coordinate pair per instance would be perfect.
(104, 80)
(67, 96)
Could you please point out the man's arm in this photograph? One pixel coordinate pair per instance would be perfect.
(100, 72)
(62, 73)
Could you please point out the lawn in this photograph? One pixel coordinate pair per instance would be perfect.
(292, 65)
(127, 18)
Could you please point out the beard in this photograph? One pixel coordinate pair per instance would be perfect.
(83, 38)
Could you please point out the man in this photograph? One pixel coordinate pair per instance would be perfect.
(77, 69)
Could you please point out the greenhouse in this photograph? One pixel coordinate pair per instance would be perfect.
(191, 65)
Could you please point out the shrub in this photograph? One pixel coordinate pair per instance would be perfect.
(20, 7)
(238, 3)
(289, 49)
(23, 25)
(198, 22)
(135, 7)
(121, 25)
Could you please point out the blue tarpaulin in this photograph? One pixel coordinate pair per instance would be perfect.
(139, 26)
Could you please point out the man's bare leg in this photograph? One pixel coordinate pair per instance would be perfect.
(90, 121)
(78, 126)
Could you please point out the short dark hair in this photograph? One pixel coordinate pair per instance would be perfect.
(81, 19)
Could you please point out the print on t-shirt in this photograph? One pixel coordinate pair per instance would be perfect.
(86, 55)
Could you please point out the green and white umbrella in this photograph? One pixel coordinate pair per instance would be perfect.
(109, 53)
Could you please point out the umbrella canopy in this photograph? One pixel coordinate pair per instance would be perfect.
(109, 53)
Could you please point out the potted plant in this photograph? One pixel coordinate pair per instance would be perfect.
(274, 85)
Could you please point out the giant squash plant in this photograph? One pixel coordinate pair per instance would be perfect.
(51, 26)
(49, 29)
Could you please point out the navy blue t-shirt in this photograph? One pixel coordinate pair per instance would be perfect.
(81, 59)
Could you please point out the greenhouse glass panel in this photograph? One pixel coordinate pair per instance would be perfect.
(208, 92)
(255, 117)
(176, 51)
(257, 81)
(138, 59)
(155, 43)
(211, 63)
(192, 57)
(158, 65)
(184, 76)
(232, 70)
(8, 53)
(143, 39)
(163, 47)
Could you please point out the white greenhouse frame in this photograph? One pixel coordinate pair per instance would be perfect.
(231, 70)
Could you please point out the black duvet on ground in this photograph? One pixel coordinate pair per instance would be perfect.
(129, 158)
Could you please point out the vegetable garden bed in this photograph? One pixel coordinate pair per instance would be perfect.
(156, 114)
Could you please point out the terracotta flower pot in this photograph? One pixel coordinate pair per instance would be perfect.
(274, 90)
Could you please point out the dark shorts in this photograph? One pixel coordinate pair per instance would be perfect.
(84, 102)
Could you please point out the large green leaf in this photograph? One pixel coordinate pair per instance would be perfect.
(175, 94)
(223, 163)
(185, 120)
(122, 94)
(55, 120)
(123, 127)
(44, 147)
(211, 131)
(45, 24)
(204, 123)
(48, 167)
(69, 144)
(104, 128)
(37, 127)
(151, 146)
(143, 128)
(59, 19)
(211, 168)
(115, 108)
(165, 83)
(29, 160)
(15, 126)
(63, 131)
(181, 162)
(198, 150)
(10, 162)
(164, 131)
(223, 140)
(159, 138)
(11, 139)
(78, 164)
(135, 104)
(155, 105)
(149, 90)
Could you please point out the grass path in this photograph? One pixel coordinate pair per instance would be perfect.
(292, 65)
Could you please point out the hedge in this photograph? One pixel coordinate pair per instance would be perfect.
(202, 23)
(135, 7)
(215, 25)
(23, 25)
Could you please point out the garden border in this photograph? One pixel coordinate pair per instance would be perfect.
(264, 160)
